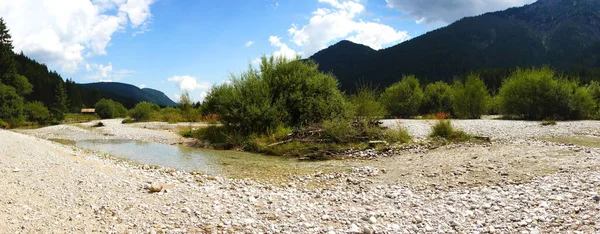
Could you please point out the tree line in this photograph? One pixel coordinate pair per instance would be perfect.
(30, 92)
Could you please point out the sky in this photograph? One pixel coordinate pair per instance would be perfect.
(175, 45)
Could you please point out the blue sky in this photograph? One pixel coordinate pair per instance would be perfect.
(171, 45)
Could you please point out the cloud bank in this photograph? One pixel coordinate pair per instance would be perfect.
(448, 11)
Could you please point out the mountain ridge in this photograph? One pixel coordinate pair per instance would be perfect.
(564, 34)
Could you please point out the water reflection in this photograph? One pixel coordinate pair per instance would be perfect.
(232, 164)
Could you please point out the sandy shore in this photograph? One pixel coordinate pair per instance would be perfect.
(51, 187)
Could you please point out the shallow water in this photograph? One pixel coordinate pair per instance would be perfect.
(232, 164)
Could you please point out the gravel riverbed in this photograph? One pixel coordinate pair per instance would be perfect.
(55, 188)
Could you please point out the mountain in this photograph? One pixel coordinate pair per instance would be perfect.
(128, 95)
(564, 34)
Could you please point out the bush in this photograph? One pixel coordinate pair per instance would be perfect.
(403, 98)
(437, 98)
(397, 135)
(365, 105)
(290, 93)
(11, 106)
(470, 99)
(37, 112)
(172, 115)
(594, 90)
(339, 130)
(108, 109)
(143, 111)
(444, 129)
(539, 94)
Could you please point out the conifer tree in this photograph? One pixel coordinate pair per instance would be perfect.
(60, 102)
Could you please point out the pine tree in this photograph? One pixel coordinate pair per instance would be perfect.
(8, 68)
(60, 102)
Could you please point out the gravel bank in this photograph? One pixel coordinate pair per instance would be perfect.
(51, 187)
(503, 130)
(113, 129)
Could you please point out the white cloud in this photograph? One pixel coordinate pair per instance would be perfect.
(284, 50)
(249, 43)
(103, 72)
(64, 33)
(189, 83)
(106, 80)
(142, 86)
(341, 20)
(445, 11)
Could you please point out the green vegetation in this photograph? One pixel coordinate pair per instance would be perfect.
(437, 98)
(36, 112)
(108, 109)
(540, 93)
(548, 122)
(365, 106)
(443, 129)
(288, 107)
(404, 98)
(11, 106)
(283, 92)
(143, 111)
(470, 99)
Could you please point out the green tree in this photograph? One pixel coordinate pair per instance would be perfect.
(143, 111)
(365, 104)
(541, 93)
(186, 105)
(470, 99)
(37, 112)
(108, 109)
(403, 98)
(11, 105)
(8, 65)
(438, 98)
(59, 103)
(285, 92)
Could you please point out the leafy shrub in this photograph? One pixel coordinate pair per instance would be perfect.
(403, 98)
(365, 105)
(143, 111)
(594, 90)
(339, 130)
(172, 115)
(11, 106)
(444, 129)
(397, 135)
(548, 122)
(108, 109)
(437, 98)
(37, 112)
(540, 93)
(290, 93)
(470, 99)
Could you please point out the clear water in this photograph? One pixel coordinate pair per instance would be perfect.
(232, 164)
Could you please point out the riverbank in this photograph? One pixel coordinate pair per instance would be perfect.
(54, 187)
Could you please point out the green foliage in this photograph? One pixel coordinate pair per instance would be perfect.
(339, 130)
(437, 98)
(284, 92)
(594, 90)
(108, 109)
(540, 94)
(443, 129)
(470, 99)
(403, 98)
(365, 105)
(59, 103)
(37, 112)
(143, 111)
(397, 135)
(172, 115)
(11, 106)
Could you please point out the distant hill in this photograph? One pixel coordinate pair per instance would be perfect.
(564, 34)
(128, 95)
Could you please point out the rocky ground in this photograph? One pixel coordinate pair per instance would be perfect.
(51, 187)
